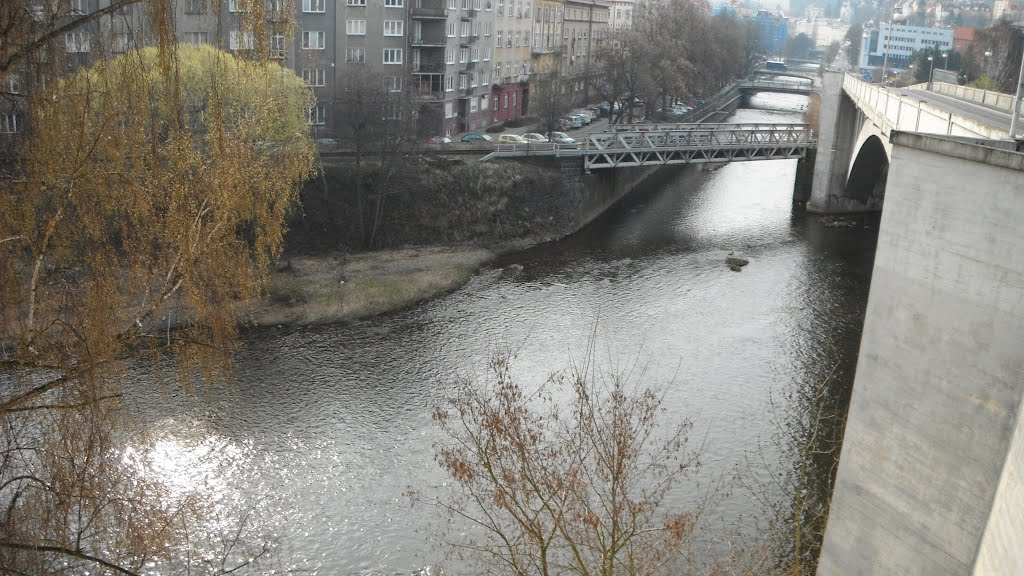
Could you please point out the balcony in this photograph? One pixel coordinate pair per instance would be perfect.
(471, 65)
(429, 67)
(468, 14)
(428, 13)
(427, 41)
(467, 40)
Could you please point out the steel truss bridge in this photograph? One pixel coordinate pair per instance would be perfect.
(652, 145)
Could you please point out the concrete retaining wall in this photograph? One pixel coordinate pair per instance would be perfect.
(930, 478)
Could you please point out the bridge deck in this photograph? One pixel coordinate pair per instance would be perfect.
(648, 145)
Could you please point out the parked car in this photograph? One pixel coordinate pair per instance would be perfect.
(585, 116)
(477, 137)
(560, 138)
(512, 139)
(574, 121)
(439, 140)
(534, 137)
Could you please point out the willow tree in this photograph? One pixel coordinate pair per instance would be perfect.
(147, 196)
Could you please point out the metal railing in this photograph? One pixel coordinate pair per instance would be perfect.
(679, 144)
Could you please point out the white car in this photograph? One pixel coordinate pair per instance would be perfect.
(584, 116)
(560, 138)
(535, 137)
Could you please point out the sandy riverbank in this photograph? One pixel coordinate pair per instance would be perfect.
(336, 287)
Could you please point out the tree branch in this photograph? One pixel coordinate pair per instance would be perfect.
(68, 552)
(20, 53)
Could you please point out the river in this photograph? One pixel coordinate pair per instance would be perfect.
(325, 429)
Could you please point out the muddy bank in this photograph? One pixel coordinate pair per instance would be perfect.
(334, 287)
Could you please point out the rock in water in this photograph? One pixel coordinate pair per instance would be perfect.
(738, 263)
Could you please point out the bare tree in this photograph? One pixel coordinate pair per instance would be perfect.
(568, 479)
(550, 98)
(376, 117)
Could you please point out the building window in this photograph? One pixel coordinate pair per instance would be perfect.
(487, 5)
(315, 5)
(314, 76)
(453, 4)
(76, 41)
(357, 2)
(239, 41)
(355, 27)
(195, 6)
(120, 42)
(463, 81)
(77, 6)
(314, 40)
(449, 110)
(463, 55)
(487, 53)
(393, 83)
(474, 55)
(394, 3)
(278, 45)
(196, 38)
(494, 104)
(506, 101)
(513, 99)
(472, 105)
(465, 29)
(393, 27)
(355, 55)
(498, 36)
(316, 115)
(501, 7)
(450, 56)
(392, 55)
(9, 123)
(483, 102)
(451, 29)
(238, 6)
(449, 84)
(487, 28)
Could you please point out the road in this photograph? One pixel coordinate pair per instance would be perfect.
(982, 114)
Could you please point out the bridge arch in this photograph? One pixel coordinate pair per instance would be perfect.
(869, 168)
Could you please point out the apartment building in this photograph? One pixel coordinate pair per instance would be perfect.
(451, 54)
(513, 64)
(585, 29)
(894, 44)
(547, 35)
(620, 14)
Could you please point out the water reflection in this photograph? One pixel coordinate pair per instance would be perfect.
(328, 427)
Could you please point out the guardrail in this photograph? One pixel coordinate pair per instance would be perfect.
(892, 110)
(978, 95)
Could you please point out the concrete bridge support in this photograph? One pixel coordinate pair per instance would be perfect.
(839, 125)
(931, 477)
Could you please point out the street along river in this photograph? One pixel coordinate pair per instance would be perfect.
(325, 429)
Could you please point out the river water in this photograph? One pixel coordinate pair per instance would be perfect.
(325, 429)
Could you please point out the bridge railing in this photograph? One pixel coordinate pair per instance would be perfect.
(701, 136)
(986, 97)
(892, 110)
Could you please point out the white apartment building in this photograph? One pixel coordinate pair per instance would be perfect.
(894, 44)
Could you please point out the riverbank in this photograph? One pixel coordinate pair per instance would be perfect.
(317, 289)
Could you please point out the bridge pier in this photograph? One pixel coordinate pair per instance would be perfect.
(804, 183)
(839, 123)
(931, 476)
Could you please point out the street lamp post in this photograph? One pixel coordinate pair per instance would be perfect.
(931, 70)
(1016, 100)
(945, 58)
(988, 77)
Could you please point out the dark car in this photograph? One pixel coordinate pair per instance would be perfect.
(477, 137)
